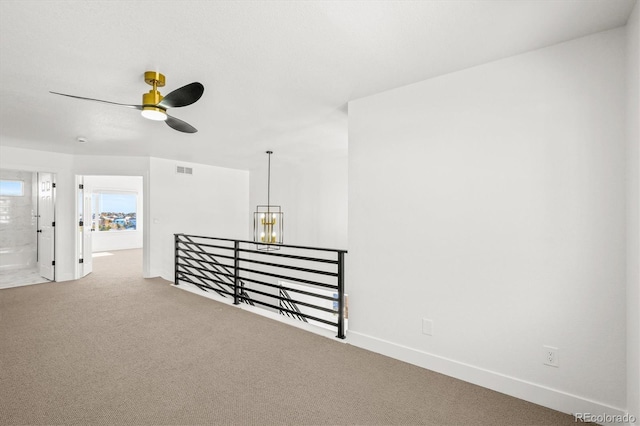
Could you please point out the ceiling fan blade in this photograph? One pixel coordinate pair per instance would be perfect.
(139, 107)
(186, 95)
(179, 125)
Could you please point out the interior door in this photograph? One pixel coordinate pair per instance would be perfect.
(87, 229)
(83, 242)
(46, 226)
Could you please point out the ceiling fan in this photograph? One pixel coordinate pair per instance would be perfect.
(154, 105)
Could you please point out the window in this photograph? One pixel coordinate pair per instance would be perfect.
(11, 188)
(115, 211)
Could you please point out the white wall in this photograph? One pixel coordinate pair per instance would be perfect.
(312, 194)
(492, 202)
(633, 214)
(211, 202)
(105, 241)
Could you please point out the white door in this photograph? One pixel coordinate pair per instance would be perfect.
(46, 225)
(84, 218)
(87, 250)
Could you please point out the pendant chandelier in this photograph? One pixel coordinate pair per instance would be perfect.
(267, 220)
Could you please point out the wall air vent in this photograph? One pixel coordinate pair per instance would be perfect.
(184, 170)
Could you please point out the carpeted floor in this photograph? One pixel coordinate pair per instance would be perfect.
(114, 348)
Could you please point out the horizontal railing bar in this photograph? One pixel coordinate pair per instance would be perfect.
(294, 268)
(201, 286)
(335, 324)
(308, 293)
(209, 254)
(288, 299)
(291, 256)
(217, 290)
(203, 277)
(254, 242)
(199, 261)
(207, 261)
(284, 277)
(209, 266)
(203, 252)
(182, 277)
(294, 316)
(214, 273)
(291, 306)
(205, 245)
(189, 256)
(224, 274)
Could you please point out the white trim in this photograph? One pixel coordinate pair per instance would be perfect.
(532, 392)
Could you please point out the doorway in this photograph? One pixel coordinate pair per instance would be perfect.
(110, 217)
(27, 227)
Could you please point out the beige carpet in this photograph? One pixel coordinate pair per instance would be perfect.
(114, 348)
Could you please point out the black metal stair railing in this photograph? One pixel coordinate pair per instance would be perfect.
(305, 283)
(204, 271)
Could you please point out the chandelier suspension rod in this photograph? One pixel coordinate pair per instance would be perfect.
(269, 182)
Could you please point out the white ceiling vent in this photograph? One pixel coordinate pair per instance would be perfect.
(184, 170)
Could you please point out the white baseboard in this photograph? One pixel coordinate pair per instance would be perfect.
(65, 277)
(532, 392)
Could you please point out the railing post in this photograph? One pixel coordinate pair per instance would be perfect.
(175, 263)
(341, 334)
(236, 272)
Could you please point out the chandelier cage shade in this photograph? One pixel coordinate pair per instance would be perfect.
(267, 227)
(268, 220)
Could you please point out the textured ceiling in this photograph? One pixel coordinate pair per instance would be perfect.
(277, 74)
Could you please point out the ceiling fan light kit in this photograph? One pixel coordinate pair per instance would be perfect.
(154, 105)
(153, 113)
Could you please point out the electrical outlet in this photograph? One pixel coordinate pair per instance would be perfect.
(550, 356)
(427, 326)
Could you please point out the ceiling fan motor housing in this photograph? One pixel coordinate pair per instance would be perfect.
(149, 100)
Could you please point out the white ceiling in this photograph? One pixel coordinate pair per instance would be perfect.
(277, 74)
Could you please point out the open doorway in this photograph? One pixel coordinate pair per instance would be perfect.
(110, 218)
(27, 227)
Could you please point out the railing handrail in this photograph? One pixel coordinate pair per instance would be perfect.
(264, 244)
(329, 289)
